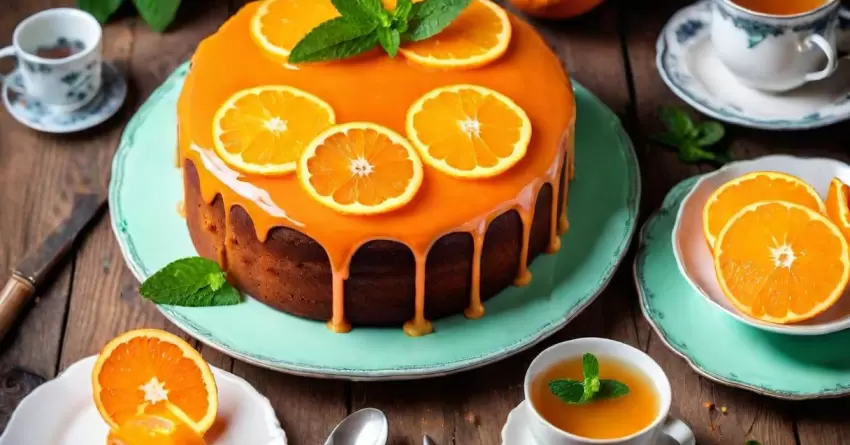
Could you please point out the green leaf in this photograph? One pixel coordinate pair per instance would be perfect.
(227, 295)
(335, 39)
(390, 40)
(569, 391)
(589, 366)
(180, 278)
(430, 17)
(611, 389)
(752, 442)
(100, 9)
(402, 10)
(709, 133)
(158, 14)
(677, 122)
(362, 11)
(692, 152)
(216, 280)
(669, 139)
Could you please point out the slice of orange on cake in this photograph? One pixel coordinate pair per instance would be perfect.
(149, 371)
(279, 24)
(479, 35)
(360, 168)
(468, 131)
(263, 130)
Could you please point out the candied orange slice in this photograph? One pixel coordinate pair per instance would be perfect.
(152, 371)
(278, 25)
(468, 131)
(263, 130)
(838, 205)
(479, 35)
(753, 187)
(360, 168)
(147, 429)
(781, 262)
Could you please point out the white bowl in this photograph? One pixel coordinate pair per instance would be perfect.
(695, 259)
(62, 412)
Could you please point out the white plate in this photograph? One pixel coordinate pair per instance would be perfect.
(689, 66)
(515, 431)
(62, 412)
(695, 259)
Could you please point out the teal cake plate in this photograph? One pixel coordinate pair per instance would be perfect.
(603, 207)
(718, 346)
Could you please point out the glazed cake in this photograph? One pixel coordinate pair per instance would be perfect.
(458, 242)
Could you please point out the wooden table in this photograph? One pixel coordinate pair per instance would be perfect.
(94, 297)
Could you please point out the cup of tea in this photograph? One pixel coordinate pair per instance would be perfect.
(777, 45)
(636, 415)
(59, 56)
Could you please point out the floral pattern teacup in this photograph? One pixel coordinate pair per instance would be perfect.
(60, 57)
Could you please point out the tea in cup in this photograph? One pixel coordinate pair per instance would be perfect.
(59, 56)
(776, 45)
(598, 391)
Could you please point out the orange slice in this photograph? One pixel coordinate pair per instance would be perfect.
(781, 262)
(278, 25)
(837, 205)
(479, 35)
(360, 168)
(263, 130)
(147, 429)
(148, 371)
(750, 188)
(468, 131)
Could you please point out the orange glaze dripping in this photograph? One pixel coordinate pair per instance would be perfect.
(475, 310)
(379, 89)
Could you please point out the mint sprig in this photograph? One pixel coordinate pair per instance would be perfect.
(365, 24)
(692, 141)
(592, 388)
(192, 282)
(158, 14)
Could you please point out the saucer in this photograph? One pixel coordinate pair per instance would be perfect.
(720, 347)
(689, 66)
(695, 260)
(41, 117)
(62, 412)
(515, 431)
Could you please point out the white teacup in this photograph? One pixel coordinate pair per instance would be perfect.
(776, 53)
(66, 83)
(547, 434)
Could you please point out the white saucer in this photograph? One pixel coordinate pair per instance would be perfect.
(62, 412)
(688, 64)
(39, 116)
(515, 431)
(695, 260)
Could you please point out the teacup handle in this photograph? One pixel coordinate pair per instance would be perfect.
(831, 56)
(678, 431)
(8, 51)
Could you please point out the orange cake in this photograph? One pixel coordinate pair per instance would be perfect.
(419, 229)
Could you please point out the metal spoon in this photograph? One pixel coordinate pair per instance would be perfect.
(428, 441)
(365, 427)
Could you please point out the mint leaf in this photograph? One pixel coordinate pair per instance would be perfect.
(100, 9)
(589, 366)
(611, 389)
(669, 139)
(677, 122)
(402, 11)
(362, 11)
(691, 152)
(709, 133)
(216, 280)
(390, 40)
(227, 295)
(339, 38)
(182, 277)
(569, 391)
(158, 14)
(429, 17)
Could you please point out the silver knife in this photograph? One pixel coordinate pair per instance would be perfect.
(428, 441)
(37, 263)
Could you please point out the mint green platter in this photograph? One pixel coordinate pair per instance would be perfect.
(718, 346)
(146, 189)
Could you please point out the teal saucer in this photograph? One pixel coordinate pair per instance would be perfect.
(720, 347)
(146, 188)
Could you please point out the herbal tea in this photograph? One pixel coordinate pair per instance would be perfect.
(780, 7)
(624, 402)
(61, 49)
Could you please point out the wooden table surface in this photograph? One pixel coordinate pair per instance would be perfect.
(94, 297)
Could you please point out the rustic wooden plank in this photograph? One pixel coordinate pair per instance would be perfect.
(749, 416)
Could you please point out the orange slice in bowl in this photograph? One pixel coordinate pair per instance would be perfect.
(149, 371)
(781, 262)
(263, 130)
(838, 205)
(360, 168)
(148, 429)
(468, 131)
(479, 35)
(278, 25)
(753, 187)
